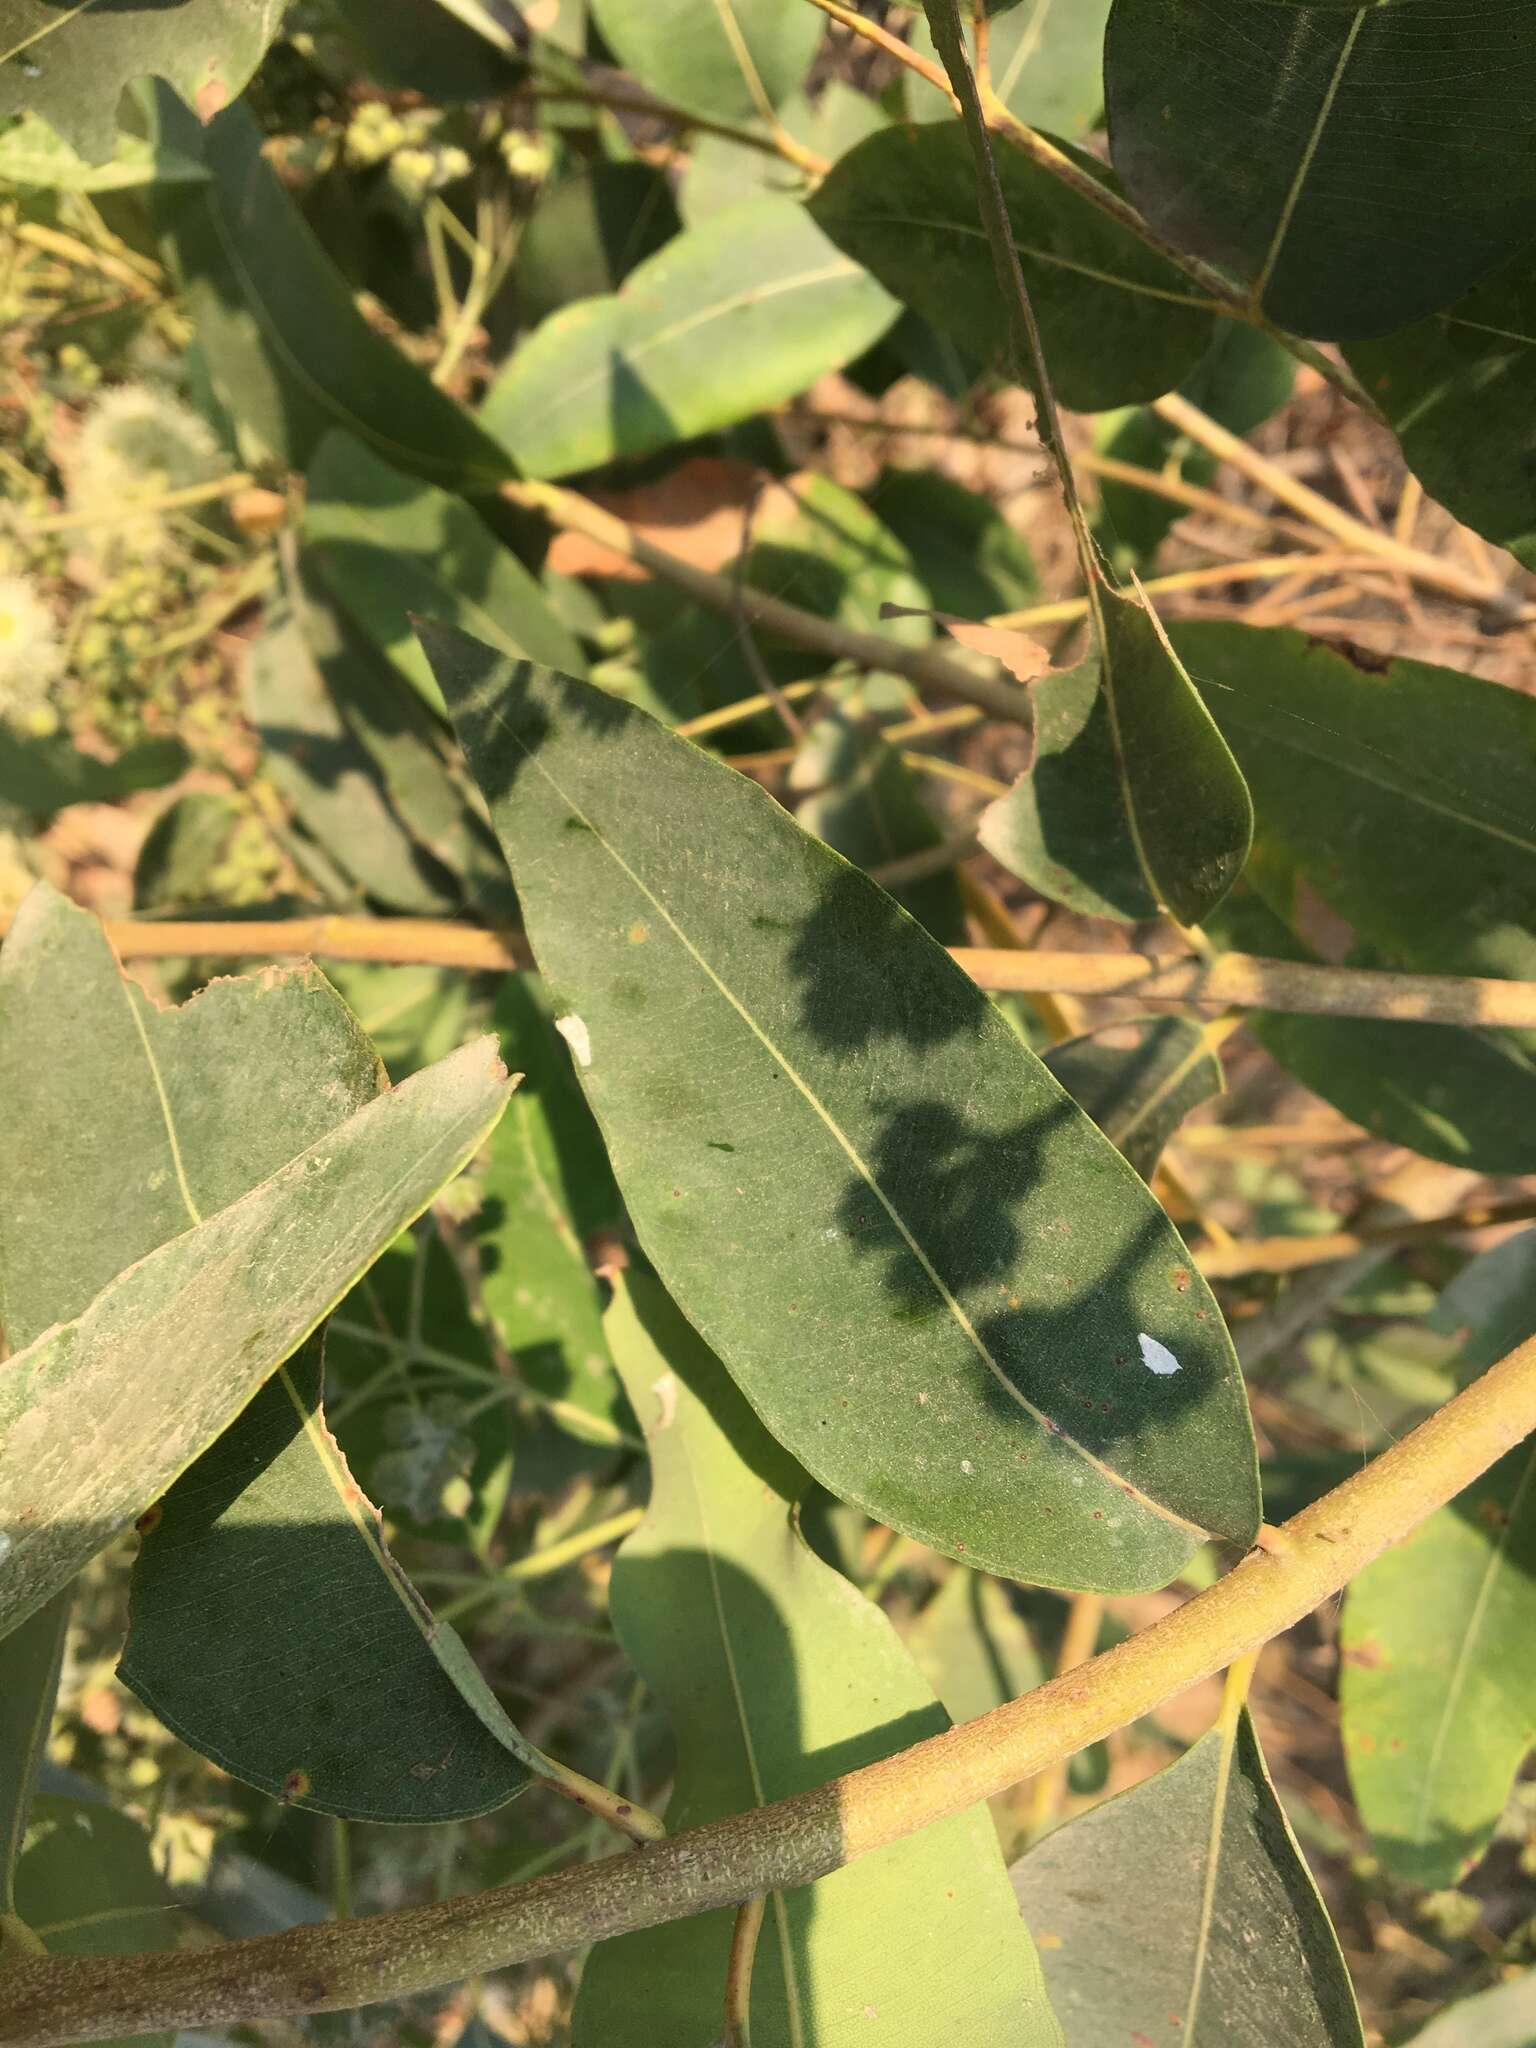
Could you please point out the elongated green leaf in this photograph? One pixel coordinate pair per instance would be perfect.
(1502, 2018)
(1119, 324)
(1459, 391)
(70, 63)
(33, 1654)
(1133, 798)
(848, 1143)
(974, 1647)
(588, 230)
(202, 1310)
(1047, 61)
(768, 1663)
(1138, 1095)
(1185, 801)
(326, 776)
(1182, 1914)
(731, 317)
(1357, 168)
(867, 806)
(547, 1186)
(390, 545)
(963, 551)
(333, 1688)
(733, 60)
(289, 354)
(1062, 827)
(1438, 1681)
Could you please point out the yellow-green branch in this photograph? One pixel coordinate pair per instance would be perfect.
(331, 1966)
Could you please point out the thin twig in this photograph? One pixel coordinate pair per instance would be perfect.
(1242, 981)
(48, 2001)
(738, 1973)
(927, 666)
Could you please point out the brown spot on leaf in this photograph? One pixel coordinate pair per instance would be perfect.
(149, 1521)
(212, 98)
(1366, 1656)
(296, 1785)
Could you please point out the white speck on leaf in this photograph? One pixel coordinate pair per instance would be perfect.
(1156, 1357)
(576, 1036)
(966, 1466)
(665, 1390)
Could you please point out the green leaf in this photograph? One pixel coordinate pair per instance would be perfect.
(720, 173)
(410, 1015)
(1185, 802)
(33, 1655)
(1502, 2018)
(1062, 827)
(1439, 1677)
(1119, 323)
(546, 1167)
(41, 776)
(1357, 169)
(1403, 794)
(288, 352)
(145, 1291)
(1438, 1661)
(32, 153)
(1138, 1095)
(967, 556)
(1242, 379)
(418, 46)
(847, 1141)
(771, 1666)
(974, 1647)
(729, 319)
(408, 755)
(1182, 1913)
(333, 1688)
(588, 230)
(69, 64)
(389, 546)
(731, 61)
(1047, 61)
(1133, 798)
(87, 1886)
(866, 805)
(1458, 390)
(326, 777)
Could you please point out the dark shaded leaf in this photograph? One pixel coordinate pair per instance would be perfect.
(1139, 1095)
(288, 353)
(1358, 168)
(1182, 1914)
(588, 230)
(847, 1133)
(1119, 324)
(1459, 391)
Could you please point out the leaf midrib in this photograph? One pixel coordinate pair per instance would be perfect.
(855, 1159)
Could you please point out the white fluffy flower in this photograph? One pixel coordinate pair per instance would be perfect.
(31, 656)
(136, 445)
